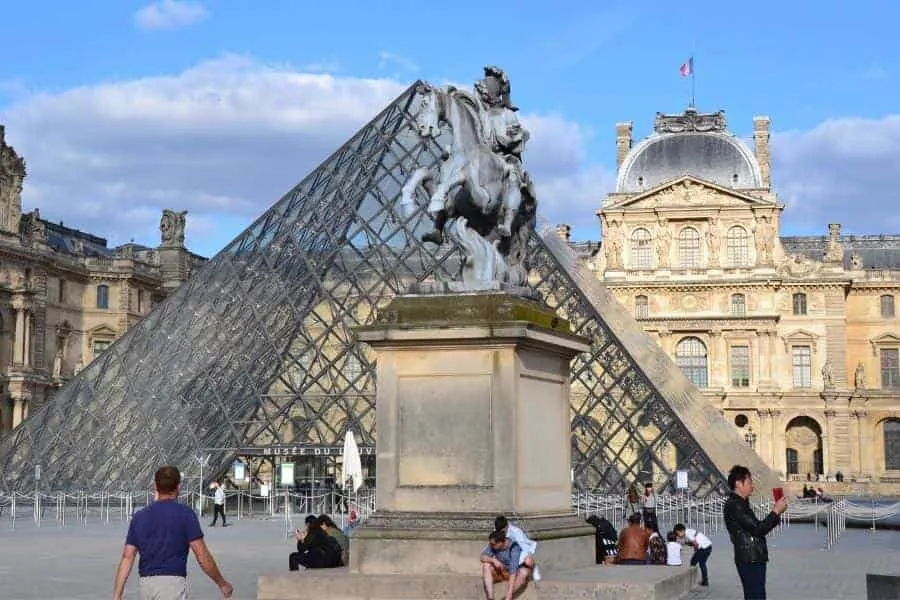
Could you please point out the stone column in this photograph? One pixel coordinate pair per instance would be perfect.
(18, 411)
(473, 421)
(827, 441)
(857, 433)
(19, 345)
(779, 463)
(26, 351)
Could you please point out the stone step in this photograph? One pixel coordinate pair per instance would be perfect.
(600, 582)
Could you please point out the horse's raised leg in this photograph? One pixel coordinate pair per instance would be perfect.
(442, 202)
(510, 207)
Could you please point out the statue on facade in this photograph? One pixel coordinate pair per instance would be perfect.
(480, 195)
(764, 239)
(171, 228)
(612, 244)
(12, 178)
(859, 377)
(827, 374)
(663, 242)
(712, 242)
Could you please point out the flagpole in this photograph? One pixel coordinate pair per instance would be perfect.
(693, 105)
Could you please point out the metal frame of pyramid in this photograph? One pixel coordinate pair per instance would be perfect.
(255, 348)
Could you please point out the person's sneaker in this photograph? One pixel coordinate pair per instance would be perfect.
(537, 574)
(704, 583)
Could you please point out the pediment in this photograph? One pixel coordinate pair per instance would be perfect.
(687, 192)
(102, 331)
(800, 337)
(885, 339)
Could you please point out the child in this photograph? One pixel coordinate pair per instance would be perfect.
(673, 550)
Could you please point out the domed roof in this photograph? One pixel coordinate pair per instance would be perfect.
(689, 144)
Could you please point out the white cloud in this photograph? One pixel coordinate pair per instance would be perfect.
(844, 170)
(170, 14)
(389, 59)
(224, 140)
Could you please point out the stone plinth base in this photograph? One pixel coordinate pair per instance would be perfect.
(613, 583)
(420, 543)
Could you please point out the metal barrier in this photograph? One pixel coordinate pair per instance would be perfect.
(703, 514)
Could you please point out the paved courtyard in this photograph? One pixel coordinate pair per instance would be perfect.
(75, 562)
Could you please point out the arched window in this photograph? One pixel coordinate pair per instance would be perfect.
(738, 305)
(887, 306)
(737, 247)
(689, 247)
(641, 307)
(690, 356)
(892, 445)
(641, 249)
(102, 296)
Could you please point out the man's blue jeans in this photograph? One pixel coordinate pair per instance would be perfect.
(753, 578)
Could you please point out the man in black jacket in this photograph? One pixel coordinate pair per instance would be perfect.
(748, 534)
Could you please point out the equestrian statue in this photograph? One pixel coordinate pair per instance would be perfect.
(479, 195)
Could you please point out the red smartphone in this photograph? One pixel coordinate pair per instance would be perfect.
(778, 493)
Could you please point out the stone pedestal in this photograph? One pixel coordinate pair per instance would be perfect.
(473, 420)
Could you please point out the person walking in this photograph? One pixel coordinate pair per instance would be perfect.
(163, 533)
(748, 533)
(648, 506)
(218, 504)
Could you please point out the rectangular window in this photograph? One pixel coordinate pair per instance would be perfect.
(140, 301)
(740, 366)
(100, 346)
(890, 368)
(799, 304)
(641, 307)
(801, 360)
(887, 306)
(102, 296)
(61, 296)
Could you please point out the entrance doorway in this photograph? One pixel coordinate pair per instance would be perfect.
(804, 456)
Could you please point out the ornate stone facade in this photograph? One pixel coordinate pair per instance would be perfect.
(65, 296)
(795, 339)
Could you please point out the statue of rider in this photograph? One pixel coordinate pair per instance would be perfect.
(506, 137)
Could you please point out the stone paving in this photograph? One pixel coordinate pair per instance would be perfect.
(75, 562)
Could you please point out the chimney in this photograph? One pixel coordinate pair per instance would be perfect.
(564, 231)
(761, 149)
(623, 142)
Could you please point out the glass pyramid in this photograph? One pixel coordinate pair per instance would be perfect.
(255, 349)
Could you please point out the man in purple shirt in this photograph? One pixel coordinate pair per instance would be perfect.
(163, 533)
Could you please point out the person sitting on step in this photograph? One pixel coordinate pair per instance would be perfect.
(500, 562)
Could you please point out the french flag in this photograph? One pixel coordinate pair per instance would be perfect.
(687, 68)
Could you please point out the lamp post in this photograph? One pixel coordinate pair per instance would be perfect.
(202, 461)
(750, 437)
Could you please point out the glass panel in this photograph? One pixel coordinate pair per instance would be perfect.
(641, 249)
(892, 445)
(737, 247)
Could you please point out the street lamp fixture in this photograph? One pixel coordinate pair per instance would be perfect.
(750, 437)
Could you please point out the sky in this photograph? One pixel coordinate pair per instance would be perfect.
(122, 108)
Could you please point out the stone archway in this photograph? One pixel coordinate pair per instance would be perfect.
(803, 442)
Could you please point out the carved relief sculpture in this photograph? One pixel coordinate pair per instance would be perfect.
(612, 244)
(171, 228)
(859, 377)
(798, 265)
(691, 120)
(481, 193)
